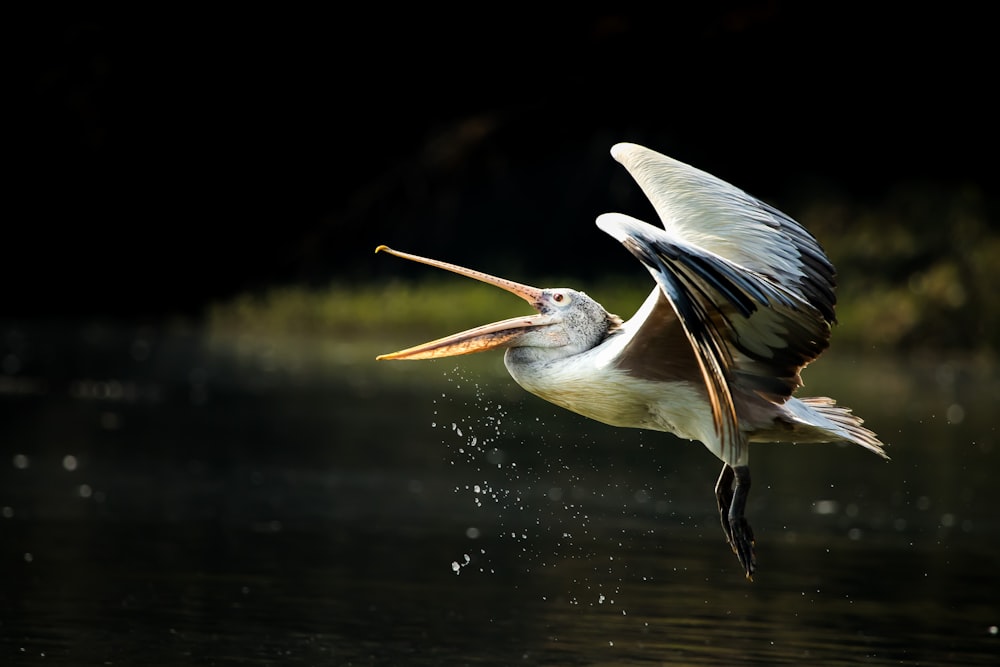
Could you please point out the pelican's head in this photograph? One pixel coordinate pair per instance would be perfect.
(568, 322)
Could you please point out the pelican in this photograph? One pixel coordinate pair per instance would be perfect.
(743, 301)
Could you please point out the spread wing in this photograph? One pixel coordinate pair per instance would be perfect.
(751, 289)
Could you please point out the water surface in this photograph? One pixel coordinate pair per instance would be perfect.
(181, 499)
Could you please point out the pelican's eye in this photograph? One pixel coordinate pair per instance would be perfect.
(562, 298)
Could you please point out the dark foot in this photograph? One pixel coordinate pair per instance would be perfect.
(732, 501)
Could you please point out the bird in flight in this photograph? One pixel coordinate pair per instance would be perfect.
(743, 300)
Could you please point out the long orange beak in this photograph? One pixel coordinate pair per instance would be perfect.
(479, 339)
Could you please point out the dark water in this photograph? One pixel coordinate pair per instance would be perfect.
(175, 499)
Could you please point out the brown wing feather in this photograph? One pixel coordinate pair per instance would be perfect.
(660, 351)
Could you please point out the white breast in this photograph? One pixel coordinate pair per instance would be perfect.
(588, 385)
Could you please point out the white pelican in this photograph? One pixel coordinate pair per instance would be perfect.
(744, 299)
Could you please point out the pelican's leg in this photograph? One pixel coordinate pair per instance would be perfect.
(732, 502)
(724, 498)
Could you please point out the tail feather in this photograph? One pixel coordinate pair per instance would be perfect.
(839, 422)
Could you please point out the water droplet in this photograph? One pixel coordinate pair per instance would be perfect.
(825, 507)
(955, 414)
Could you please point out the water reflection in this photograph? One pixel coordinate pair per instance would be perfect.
(285, 502)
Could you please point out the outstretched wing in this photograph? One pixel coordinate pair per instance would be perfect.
(751, 288)
(704, 211)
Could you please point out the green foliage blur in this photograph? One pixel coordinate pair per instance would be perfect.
(918, 272)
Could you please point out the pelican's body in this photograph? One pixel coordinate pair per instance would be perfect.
(595, 384)
(744, 299)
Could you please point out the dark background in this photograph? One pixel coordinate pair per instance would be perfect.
(162, 160)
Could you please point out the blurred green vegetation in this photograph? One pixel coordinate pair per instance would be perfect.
(434, 306)
(918, 271)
